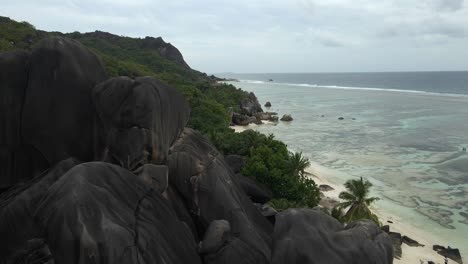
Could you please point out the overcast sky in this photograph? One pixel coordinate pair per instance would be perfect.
(276, 36)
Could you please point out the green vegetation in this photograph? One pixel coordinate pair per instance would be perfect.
(270, 163)
(357, 201)
(268, 160)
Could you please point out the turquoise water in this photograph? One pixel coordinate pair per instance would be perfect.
(408, 144)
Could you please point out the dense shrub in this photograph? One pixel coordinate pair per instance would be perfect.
(270, 163)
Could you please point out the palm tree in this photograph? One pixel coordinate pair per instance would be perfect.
(297, 164)
(356, 198)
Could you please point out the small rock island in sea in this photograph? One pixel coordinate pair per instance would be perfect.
(100, 168)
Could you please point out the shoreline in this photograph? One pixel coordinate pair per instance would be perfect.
(409, 254)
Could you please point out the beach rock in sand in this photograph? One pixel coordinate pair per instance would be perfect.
(235, 162)
(328, 203)
(58, 116)
(286, 118)
(396, 242)
(411, 242)
(140, 120)
(250, 105)
(451, 253)
(212, 192)
(101, 213)
(311, 236)
(267, 104)
(273, 118)
(243, 120)
(325, 188)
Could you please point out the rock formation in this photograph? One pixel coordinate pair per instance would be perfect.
(286, 118)
(301, 235)
(105, 171)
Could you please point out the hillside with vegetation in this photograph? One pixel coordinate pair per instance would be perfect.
(267, 160)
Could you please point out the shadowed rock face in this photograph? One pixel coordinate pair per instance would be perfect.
(212, 192)
(311, 236)
(250, 105)
(101, 213)
(140, 119)
(58, 115)
(18, 161)
(18, 205)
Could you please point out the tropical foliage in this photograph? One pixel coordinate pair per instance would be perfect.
(356, 201)
(270, 163)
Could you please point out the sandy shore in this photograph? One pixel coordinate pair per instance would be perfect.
(239, 129)
(409, 254)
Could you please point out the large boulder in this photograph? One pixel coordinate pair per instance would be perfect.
(243, 120)
(311, 236)
(101, 213)
(58, 115)
(250, 105)
(198, 171)
(18, 161)
(18, 205)
(140, 120)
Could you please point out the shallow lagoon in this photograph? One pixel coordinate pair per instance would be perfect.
(408, 144)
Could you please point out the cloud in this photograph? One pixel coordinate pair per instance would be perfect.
(272, 35)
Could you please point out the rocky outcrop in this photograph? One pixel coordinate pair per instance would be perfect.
(18, 206)
(243, 120)
(451, 253)
(49, 115)
(165, 50)
(286, 118)
(250, 105)
(58, 114)
(396, 242)
(325, 188)
(140, 120)
(106, 172)
(99, 212)
(267, 104)
(18, 161)
(411, 242)
(300, 236)
(204, 179)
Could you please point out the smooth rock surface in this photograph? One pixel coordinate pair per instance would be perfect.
(140, 120)
(199, 172)
(101, 213)
(311, 236)
(58, 115)
(250, 105)
(18, 161)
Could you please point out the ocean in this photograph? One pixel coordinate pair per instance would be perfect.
(405, 132)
